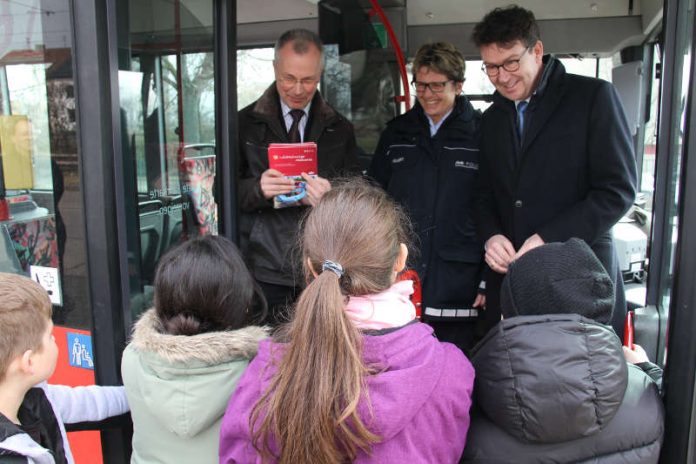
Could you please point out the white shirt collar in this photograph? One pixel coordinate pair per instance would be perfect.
(435, 126)
(286, 109)
(517, 102)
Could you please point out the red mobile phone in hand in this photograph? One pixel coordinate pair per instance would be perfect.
(628, 330)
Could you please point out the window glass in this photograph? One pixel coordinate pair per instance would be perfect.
(41, 212)
(581, 66)
(254, 74)
(167, 100)
(682, 82)
(477, 83)
(647, 181)
(606, 65)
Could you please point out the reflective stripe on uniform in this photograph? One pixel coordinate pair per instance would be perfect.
(437, 312)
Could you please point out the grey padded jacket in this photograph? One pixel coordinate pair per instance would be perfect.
(556, 389)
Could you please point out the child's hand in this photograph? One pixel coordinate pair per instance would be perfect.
(316, 188)
(635, 356)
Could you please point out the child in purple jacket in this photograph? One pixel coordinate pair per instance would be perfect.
(353, 376)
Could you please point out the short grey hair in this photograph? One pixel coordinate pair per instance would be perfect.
(301, 40)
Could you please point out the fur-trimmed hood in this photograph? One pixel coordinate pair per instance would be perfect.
(178, 386)
(209, 348)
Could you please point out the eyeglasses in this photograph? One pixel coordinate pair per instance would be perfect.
(510, 65)
(435, 87)
(290, 82)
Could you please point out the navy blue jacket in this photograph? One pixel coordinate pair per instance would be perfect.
(434, 179)
(574, 174)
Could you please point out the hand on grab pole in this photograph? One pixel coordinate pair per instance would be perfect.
(636, 355)
(499, 253)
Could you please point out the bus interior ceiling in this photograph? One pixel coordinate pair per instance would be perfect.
(564, 24)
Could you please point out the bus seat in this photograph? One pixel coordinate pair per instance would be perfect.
(198, 177)
(173, 223)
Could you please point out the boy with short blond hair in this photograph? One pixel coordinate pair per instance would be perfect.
(32, 413)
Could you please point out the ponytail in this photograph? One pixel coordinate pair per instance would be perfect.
(310, 410)
(318, 386)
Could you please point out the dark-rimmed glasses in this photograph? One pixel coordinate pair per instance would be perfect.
(435, 87)
(513, 65)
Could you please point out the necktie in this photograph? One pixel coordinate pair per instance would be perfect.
(294, 132)
(521, 107)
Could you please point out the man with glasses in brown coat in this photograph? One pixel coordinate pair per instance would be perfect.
(428, 160)
(291, 110)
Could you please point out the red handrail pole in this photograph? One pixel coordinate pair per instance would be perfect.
(397, 50)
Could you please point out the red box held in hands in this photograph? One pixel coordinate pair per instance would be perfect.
(291, 160)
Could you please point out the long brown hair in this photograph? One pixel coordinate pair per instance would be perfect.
(310, 410)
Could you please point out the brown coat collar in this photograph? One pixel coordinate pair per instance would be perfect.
(267, 108)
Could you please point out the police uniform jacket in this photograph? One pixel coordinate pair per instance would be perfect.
(434, 179)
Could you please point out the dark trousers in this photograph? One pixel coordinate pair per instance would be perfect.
(460, 333)
(489, 317)
(281, 300)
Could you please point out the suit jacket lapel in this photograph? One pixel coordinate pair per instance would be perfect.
(321, 116)
(544, 105)
(267, 109)
(316, 126)
(543, 112)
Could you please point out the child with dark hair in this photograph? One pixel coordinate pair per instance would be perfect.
(354, 377)
(188, 352)
(552, 384)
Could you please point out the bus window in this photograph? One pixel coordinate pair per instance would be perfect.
(477, 84)
(647, 179)
(41, 212)
(592, 67)
(167, 109)
(254, 74)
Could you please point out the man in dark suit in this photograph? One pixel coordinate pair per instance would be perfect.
(556, 154)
